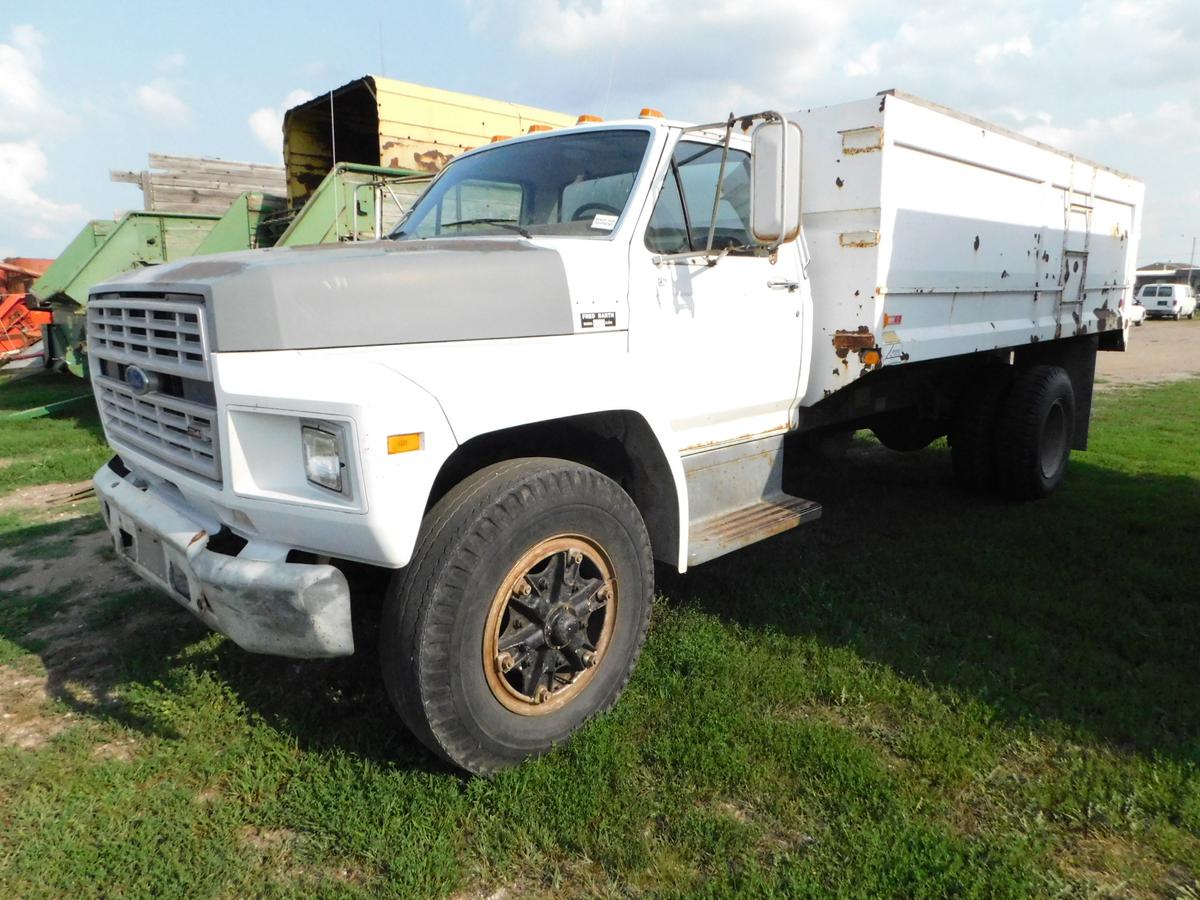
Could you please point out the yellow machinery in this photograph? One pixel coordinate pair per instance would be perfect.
(395, 124)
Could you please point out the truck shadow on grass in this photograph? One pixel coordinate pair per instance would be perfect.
(1081, 610)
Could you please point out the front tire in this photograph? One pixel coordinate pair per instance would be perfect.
(521, 614)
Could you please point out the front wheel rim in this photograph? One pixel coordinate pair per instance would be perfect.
(549, 625)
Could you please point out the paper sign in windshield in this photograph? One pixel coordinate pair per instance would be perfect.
(604, 222)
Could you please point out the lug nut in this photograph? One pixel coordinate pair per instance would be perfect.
(576, 556)
(506, 661)
(543, 694)
(589, 659)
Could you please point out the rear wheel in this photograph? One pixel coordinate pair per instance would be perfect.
(521, 614)
(1036, 429)
(973, 431)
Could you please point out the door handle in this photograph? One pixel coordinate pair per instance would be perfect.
(789, 286)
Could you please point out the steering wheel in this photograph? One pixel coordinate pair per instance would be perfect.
(588, 208)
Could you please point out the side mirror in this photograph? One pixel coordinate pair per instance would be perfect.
(775, 159)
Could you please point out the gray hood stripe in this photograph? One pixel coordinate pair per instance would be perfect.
(387, 292)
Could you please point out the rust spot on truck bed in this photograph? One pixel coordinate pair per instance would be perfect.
(859, 339)
(862, 140)
(1106, 318)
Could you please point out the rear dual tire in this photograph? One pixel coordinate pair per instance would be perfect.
(1037, 428)
(1013, 432)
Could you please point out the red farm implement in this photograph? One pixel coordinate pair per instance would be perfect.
(20, 326)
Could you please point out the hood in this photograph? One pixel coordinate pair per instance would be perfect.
(378, 292)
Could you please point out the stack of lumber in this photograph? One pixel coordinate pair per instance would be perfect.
(197, 184)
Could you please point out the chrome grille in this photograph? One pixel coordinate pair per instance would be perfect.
(166, 336)
(172, 429)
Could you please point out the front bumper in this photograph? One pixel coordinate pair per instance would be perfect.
(280, 608)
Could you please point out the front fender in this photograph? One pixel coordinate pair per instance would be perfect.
(487, 387)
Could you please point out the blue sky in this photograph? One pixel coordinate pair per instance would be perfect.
(86, 87)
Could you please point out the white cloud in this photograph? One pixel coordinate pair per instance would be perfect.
(266, 123)
(157, 99)
(23, 166)
(31, 120)
(171, 61)
(1018, 46)
(25, 105)
(866, 63)
(688, 59)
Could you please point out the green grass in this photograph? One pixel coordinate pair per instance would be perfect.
(922, 695)
(68, 446)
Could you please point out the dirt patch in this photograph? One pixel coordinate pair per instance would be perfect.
(278, 847)
(500, 893)
(83, 556)
(120, 750)
(206, 796)
(1158, 351)
(1104, 862)
(72, 574)
(268, 841)
(24, 719)
(49, 502)
(737, 810)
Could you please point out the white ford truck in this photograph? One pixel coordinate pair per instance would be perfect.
(582, 351)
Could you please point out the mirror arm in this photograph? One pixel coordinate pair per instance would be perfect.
(783, 160)
(712, 225)
(710, 258)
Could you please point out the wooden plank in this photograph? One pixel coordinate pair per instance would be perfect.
(197, 196)
(209, 164)
(209, 182)
(199, 184)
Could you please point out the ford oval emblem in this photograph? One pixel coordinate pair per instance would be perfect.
(138, 380)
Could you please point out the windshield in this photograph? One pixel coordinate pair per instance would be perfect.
(570, 184)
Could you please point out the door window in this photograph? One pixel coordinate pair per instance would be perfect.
(683, 213)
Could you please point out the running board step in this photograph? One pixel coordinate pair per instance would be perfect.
(735, 497)
(731, 531)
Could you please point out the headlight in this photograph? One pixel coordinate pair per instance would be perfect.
(322, 457)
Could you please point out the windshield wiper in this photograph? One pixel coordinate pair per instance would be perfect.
(510, 224)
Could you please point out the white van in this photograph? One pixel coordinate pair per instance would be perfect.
(1175, 301)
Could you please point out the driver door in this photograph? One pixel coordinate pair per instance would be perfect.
(725, 341)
